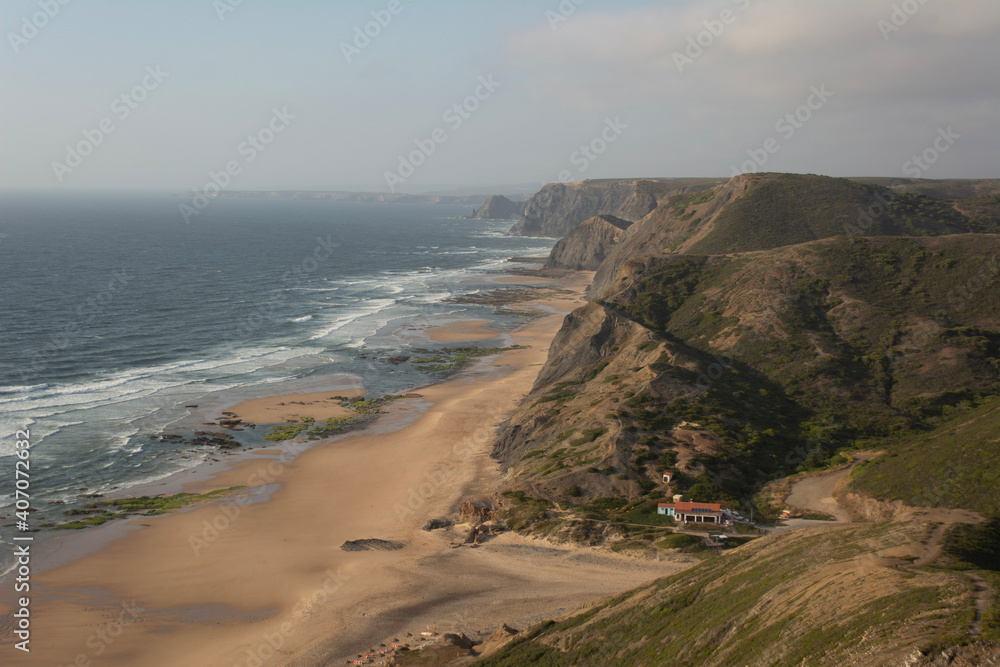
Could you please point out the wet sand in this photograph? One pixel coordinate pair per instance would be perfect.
(292, 407)
(468, 330)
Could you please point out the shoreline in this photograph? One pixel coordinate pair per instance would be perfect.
(221, 583)
(255, 408)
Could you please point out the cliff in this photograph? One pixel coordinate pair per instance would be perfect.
(559, 207)
(748, 332)
(745, 310)
(589, 244)
(498, 207)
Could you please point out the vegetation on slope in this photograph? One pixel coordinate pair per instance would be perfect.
(788, 209)
(954, 465)
(776, 361)
(789, 334)
(781, 600)
(782, 359)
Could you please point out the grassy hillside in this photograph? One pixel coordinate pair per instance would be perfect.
(834, 596)
(764, 211)
(739, 336)
(787, 209)
(954, 465)
(733, 370)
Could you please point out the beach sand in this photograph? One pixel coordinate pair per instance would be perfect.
(462, 331)
(280, 409)
(268, 584)
(528, 280)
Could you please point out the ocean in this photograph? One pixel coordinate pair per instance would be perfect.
(116, 314)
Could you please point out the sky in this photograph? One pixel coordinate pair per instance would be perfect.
(424, 95)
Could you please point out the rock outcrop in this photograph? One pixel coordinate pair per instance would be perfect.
(589, 244)
(499, 207)
(558, 208)
(371, 544)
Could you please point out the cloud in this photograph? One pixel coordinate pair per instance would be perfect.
(768, 54)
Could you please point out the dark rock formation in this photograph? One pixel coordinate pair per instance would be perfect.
(371, 544)
(499, 207)
(435, 524)
(478, 511)
(559, 207)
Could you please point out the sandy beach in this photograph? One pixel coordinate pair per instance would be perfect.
(293, 407)
(468, 330)
(266, 583)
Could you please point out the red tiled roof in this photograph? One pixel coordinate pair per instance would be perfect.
(687, 507)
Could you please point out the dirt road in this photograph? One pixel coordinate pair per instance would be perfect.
(816, 493)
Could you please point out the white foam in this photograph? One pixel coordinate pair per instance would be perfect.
(130, 386)
(369, 307)
(24, 389)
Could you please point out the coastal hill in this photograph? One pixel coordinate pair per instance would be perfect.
(763, 211)
(823, 340)
(498, 207)
(559, 207)
(759, 329)
(811, 597)
(588, 244)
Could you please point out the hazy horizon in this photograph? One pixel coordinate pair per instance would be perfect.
(440, 97)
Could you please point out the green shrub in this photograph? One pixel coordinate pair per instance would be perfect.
(977, 545)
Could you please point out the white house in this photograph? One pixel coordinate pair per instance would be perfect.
(692, 512)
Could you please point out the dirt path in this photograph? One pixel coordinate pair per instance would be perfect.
(984, 596)
(816, 493)
(943, 519)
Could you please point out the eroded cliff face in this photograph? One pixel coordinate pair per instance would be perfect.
(730, 362)
(672, 226)
(597, 356)
(498, 207)
(558, 208)
(589, 244)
